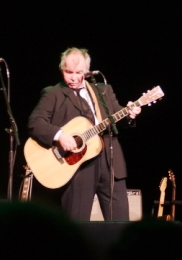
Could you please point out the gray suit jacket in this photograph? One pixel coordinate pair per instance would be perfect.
(58, 105)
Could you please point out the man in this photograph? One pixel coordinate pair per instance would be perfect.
(58, 105)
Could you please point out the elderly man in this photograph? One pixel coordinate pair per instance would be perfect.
(61, 103)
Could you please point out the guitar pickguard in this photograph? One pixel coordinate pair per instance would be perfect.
(72, 158)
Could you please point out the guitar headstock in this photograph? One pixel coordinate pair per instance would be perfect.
(163, 184)
(172, 178)
(151, 96)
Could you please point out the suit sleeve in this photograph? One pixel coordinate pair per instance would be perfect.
(127, 122)
(110, 98)
(39, 123)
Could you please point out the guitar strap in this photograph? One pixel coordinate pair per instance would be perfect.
(97, 109)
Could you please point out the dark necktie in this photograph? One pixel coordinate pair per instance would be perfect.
(84, 106)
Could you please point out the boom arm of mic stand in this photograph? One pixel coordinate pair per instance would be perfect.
(105, 81)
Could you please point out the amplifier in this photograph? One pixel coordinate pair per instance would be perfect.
(135, 206)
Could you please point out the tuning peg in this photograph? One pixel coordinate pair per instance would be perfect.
(154, 101)
(143, 93)
(149, 104)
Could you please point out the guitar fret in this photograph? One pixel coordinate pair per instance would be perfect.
(96, 129)
(105, 124)
(92, 131)
(86, 135)
(99, 127)
(107, 121)
(121, 115)
(102, 126)
(88, 132)
(114, 117)
(117, 117)
(125, 111)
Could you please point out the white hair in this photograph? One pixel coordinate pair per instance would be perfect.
(83, 52)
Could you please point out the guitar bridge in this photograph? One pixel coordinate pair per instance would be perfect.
(57, 154)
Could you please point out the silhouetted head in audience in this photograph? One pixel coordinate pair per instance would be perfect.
(149, 239)
(32, 231)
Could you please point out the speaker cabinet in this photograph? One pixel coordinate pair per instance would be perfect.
(135, 206)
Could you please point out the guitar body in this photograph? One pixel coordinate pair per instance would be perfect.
(48, 169)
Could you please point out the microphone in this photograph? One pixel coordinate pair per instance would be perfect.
(1, 60)
(91, 73)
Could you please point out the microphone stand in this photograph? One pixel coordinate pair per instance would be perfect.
(111, 128)
(13, 132)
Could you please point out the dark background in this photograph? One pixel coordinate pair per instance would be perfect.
(136, 45)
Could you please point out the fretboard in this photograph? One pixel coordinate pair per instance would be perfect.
(95, 130)
(161, 202)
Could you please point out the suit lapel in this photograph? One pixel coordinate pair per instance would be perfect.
(70, 94)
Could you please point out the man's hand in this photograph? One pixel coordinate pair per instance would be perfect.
(67, 142)
(132, 110)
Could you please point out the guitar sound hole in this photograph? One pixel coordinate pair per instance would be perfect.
(79, 141)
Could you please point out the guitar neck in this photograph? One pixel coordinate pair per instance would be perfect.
(27, 183)
(161, 202)
(95, 130)
(151, 96)
(172, 179)
(173, 207)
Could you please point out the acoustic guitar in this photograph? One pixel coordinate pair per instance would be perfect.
(51, 169)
